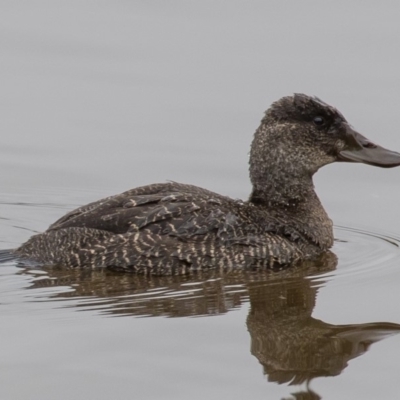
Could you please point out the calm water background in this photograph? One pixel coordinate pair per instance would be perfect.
(97, 97)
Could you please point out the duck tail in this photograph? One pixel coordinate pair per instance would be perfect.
(7, 255)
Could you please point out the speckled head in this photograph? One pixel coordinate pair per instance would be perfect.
(300, 107)
(298, 135)
(328, 130)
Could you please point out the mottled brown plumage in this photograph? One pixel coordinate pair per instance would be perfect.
(172, 228)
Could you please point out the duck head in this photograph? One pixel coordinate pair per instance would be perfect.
(298, 135)
(326, 130)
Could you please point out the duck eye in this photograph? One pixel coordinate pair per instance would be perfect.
(319, 121)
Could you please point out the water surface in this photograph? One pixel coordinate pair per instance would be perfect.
(98, 97)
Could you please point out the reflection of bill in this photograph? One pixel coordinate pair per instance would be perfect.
(290, 344)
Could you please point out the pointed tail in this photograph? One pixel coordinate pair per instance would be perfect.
(7, 255)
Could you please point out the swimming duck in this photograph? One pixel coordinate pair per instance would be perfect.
(173, 228)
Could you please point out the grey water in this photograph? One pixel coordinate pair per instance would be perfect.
(98, 97)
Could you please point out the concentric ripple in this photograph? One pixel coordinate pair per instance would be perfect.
(364, 254)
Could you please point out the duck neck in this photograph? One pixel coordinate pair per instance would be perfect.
(280, 188)
(279, 171)
(278, 180)
(287, 193)
(296, 206)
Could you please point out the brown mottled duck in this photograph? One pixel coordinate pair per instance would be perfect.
(174, 228)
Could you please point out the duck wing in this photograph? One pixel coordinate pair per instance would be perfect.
(170, 208)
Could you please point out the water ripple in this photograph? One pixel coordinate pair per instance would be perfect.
(363, 256)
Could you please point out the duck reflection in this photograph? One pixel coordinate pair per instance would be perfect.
(291, 345)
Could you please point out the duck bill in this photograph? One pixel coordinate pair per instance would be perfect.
(360, 149)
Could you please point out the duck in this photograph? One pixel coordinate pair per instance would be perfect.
(177, 229)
